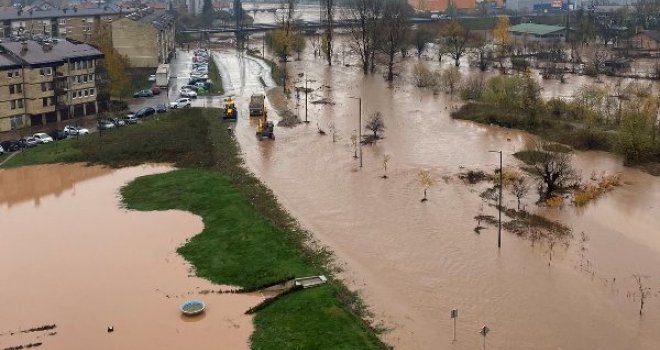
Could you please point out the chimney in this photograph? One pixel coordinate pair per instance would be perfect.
(24, 46)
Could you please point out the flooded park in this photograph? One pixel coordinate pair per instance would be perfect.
(414, 262)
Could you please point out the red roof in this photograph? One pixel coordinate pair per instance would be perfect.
(442, 5)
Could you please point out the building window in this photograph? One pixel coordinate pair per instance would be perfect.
(91, 92)
(86, 93)
(16, 122)
(85, 78)
(19, 88)
(49, 71)
(44, 101)
(41, 72)
(10, 74)
(62, 21)
(43, 87)
(84, 63)
(12, 104)
(17, 73)
(11, 90)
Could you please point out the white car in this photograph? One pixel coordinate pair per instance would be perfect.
(2, 151)
(72, 130)
(42, 137)
(180, 103)
(152, 78)
(187, 93)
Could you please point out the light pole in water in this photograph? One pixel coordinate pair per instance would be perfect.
(484, 332)
(499, 224)
(359, 126)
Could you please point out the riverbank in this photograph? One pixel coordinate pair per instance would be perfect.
(248, 239)
(214, 74)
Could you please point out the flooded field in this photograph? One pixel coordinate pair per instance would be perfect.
(415, 261)
(73, 263)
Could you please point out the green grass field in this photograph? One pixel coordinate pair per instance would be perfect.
(248, 239)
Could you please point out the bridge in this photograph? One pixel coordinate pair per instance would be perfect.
(304, 26)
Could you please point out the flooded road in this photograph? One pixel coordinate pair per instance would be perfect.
(70, 257)
(413, 261)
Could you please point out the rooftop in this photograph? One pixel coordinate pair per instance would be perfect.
(8, 62)
(11, 13)
(159, 19)
(653, 34)
(535, 29)
(40, 53)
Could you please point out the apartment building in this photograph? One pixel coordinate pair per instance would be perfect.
(46, 82)
(75, 23)
(146, 38)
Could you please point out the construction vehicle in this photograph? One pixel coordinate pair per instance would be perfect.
(229, 112)
(257, 105)
(265, 127)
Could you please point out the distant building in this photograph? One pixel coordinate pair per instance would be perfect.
(75, 23)
(442, 5)
(147, 40)
(647, 40)
(537, 32)
(195, 6)
(43, 83)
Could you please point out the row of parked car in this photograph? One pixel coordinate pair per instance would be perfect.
(199, 75)
(41, 138)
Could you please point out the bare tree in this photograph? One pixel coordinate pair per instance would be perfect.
(455, 38)
(376, 125)
(553, 170)
(426, 181)
(393, 31)
(450, 78)
(329, 14)
(386, 160)
(642, 292)
(422, 39)
(364, 34)
(520, 188)
(333, 131)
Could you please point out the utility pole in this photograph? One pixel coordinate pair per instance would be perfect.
(359, 126)
(484, 332)
(454, 316)
(499, 221)
(306, 95)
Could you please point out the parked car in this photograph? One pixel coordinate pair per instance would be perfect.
(10, 145)
(117, 121)
(2, 151)
(155, 90)
(180, 103)
(58, 135)
(105, 124)
(143, 93)
(73, 130)
(28, 142)
(42, 137)
(203, 85)
(152, 78)
(161, 108)
(130, 119)
(144, 112)
(187, 93)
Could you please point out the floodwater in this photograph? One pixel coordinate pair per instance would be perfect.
(413, 262)
(70, 256)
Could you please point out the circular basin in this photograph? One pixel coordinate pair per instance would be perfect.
(192, 307)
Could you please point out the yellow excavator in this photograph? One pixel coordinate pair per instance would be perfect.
(265, 127)
(229, 112)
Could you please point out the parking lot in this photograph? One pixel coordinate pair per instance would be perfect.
(180, 74)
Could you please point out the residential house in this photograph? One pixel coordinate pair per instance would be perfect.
(46, 82)
(442, 5)
(74, 23)
(147, 39)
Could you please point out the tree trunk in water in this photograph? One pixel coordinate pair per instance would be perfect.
(458, 62)
(390, 68)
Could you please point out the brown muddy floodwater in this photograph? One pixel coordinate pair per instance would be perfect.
(413, 261)
(70, 256)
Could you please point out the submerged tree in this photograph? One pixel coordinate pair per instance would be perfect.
(454, 40)
(393, 31)
(328, 8)
(643, 292)
(366, 15)
(520, 188)
(376, 125)
(553, 170)
(422, 38)
(386, 160)
(426, 181)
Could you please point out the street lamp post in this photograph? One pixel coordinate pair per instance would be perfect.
(306, 95)
(499, 224)
(359, 126)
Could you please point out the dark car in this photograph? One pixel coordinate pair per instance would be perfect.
(161, 108)
(58, 135)
(155, 90)
(28, 142)
(105, 125)
(144, 112)
(11, 145)
(143, 93)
